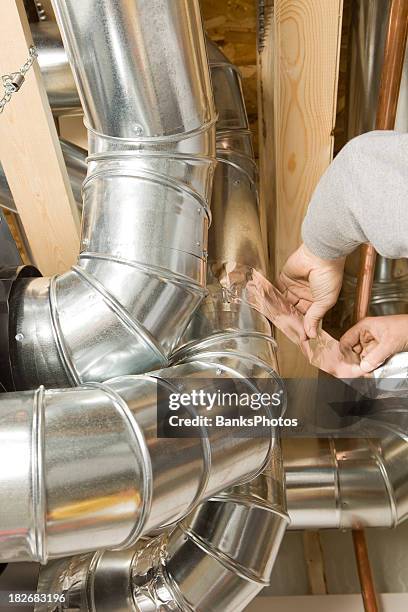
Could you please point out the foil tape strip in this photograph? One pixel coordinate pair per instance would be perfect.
(243, 283)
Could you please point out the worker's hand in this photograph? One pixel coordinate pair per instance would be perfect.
(375, 339)
(312, 285)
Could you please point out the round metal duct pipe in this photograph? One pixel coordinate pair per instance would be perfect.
(55, 69)
(92, 472)
(312, 467)
(368, 27)
(231, 540)
(141, 270)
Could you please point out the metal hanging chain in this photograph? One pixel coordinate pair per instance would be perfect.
(13, 82)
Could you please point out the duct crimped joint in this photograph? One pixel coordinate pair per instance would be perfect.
(141, 271)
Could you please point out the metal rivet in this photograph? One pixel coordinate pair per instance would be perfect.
(218, 371)
(19, 337)
(138, 130)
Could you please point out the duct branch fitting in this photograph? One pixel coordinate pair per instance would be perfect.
(231, 540)
(324, 477)
(142, 75)
(85, 470)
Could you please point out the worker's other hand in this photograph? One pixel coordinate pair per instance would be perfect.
(312, 285)
(375, 339)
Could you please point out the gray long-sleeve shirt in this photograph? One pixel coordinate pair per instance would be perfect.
(362, 197)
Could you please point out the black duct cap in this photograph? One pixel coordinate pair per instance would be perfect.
(8, 276)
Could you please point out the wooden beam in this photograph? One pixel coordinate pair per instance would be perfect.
(31, 154)
(266, 127)
(296, 131)
(72, 128)
(314, 562)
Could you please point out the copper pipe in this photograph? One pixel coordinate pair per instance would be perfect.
(368, 256)
(394, 54)
(364, 570)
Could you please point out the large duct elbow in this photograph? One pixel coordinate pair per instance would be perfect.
(86, 470)
(176, 572)
(221, 555)
(141, 270)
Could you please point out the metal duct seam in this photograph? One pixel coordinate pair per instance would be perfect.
(325, 478)
(235, 341)
(92, 471)
(357, 512)
(141, 271)
(230, 541)
(314, 501)
(148, 577)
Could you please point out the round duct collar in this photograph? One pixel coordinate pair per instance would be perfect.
(8, 276)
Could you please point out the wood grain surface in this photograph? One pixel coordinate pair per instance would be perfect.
(31, 155)
(305, 50)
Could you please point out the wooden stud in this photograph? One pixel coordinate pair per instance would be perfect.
(72, 128)
(296, 129)
(314, 562)
(266, 137)
(31, 154)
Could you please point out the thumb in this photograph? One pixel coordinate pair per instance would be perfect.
(375, 357)
(312, 319)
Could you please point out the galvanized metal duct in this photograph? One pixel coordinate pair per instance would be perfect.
(83, 468)
(326, 478)
(168, 573)
(141, 271)
(230, 541)
(56, 71)
(349, 483)
(368, 29)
